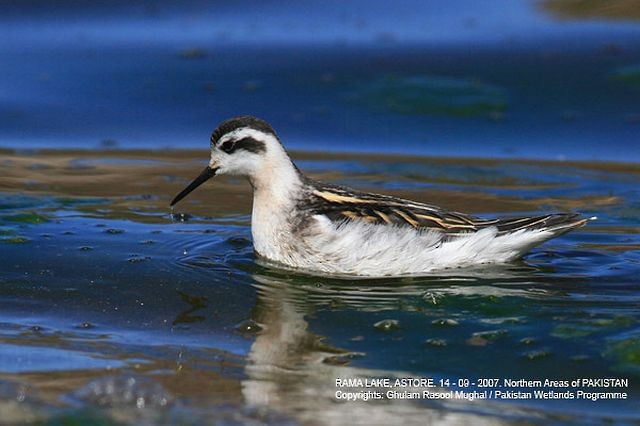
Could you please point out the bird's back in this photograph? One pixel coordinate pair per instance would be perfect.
(340, 203)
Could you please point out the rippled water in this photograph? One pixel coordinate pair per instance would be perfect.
(113, 310)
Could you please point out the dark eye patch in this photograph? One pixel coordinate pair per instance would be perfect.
(228, 146)
(248, 144)
(251, 145)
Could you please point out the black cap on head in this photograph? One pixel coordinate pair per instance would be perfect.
(239, 122)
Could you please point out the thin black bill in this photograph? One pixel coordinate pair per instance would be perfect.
(206, 174)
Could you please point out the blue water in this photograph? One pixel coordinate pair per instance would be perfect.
(497, 79)
(108, 301)
(116, 310)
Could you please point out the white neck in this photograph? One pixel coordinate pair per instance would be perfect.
(276, 185)
(276, 173)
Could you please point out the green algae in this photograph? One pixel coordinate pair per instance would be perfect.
(625, 354)
(629, 75)
(25, 218)
(591, 326)
(434, 95)
(74, 201)
(16, 239)
(570, 331)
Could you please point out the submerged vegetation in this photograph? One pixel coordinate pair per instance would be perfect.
(433, 95)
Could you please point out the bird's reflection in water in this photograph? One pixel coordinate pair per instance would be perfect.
(196, 303)
(292, 370)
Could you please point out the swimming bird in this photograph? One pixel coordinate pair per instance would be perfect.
(323, 228)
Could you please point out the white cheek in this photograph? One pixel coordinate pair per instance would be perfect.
(238, 163)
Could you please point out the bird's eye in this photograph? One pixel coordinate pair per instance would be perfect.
(227, 146)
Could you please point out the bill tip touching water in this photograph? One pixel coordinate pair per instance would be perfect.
(326, 228)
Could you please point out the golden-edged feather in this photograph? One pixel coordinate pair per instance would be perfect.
(340, 204)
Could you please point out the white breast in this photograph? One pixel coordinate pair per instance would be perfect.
(379, 250)
(270, 226)
(276, 186)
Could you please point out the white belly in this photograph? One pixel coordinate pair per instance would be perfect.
(360, 248)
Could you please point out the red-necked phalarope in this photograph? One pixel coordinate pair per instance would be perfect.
(326, 228)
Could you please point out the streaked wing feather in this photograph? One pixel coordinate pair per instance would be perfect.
(340, 204)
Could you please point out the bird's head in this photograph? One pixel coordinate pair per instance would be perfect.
(244, 146)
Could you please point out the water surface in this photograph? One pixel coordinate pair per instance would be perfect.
(114, 310)
(498, 78)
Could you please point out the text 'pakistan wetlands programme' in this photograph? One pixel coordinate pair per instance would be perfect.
(592, 389)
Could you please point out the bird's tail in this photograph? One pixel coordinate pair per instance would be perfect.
(521, 234)
(556, 223)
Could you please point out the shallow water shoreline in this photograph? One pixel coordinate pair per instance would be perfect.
(193, 154)
(162, 173)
